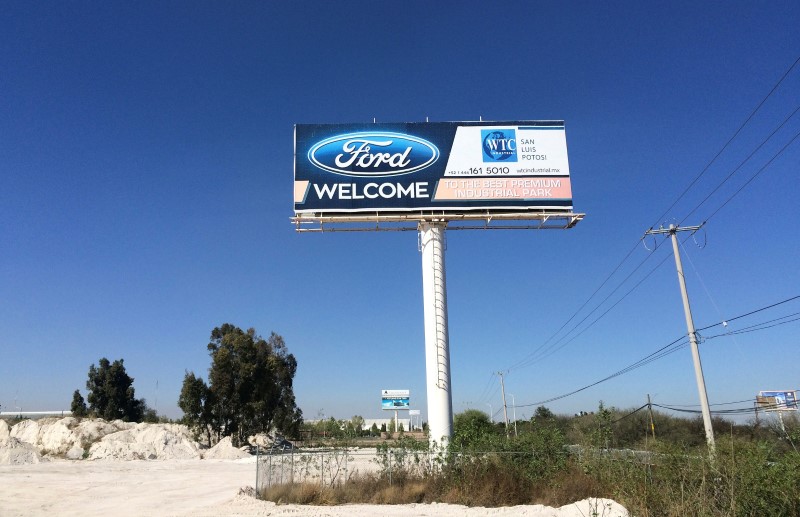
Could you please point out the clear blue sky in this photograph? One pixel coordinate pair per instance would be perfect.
(146, 188)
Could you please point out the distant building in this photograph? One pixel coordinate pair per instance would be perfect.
(33, 415)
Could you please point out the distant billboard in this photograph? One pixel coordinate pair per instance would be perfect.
(395, 399)
(777, 400)
(431, 166)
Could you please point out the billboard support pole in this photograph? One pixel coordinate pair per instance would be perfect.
(437, 346)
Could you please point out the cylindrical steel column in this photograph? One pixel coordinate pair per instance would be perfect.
(437, 347)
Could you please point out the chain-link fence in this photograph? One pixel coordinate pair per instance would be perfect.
(329, 467)
(335, 466)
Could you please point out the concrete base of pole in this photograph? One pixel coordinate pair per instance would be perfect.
(437, 346)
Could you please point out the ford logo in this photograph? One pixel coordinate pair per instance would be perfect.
(373, 154)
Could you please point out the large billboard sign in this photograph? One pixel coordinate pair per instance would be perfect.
(395, 399)
(777, 400)
(431, 166)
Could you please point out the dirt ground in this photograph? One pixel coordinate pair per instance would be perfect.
(198, 488)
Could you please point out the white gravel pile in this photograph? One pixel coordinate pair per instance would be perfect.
(94, 439)
(5, 432)
(225, 450)
(15, 452)
(147, 442)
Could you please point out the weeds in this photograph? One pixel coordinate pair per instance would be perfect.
(752, 474)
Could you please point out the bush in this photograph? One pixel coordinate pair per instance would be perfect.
(755, 471)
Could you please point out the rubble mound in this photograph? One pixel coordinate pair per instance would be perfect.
(225, 450)
(146, 442)
(16, 452)
(95, 439)
(5, 432)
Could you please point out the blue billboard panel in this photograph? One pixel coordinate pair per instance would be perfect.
(395, 399)
(777, 400)
(431, 166)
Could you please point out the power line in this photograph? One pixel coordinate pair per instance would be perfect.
(717, 404)
(667, 349)
(524, 362)
(731, 139)
(543, 350)
(729, 176)
(754, 176)
(629, 414)
(734, 411)
(725, 322)
(761, 326)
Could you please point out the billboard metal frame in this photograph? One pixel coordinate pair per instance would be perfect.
(473, 220)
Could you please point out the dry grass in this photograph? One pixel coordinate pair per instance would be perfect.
(366, 490)
(489, 488)
(568, 487)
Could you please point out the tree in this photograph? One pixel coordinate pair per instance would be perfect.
(197, 403)
(111, 393)
(357, 421)
(543, 413)
(602, 432)
(472, 427)
(249, 385)
(78, 406)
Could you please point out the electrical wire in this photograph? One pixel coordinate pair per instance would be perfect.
(725, 322)
(731, 139)
(485, 392)
(756, 328)
(532, 357)
(629, 414)
(735, 411)
(734, 171)
(667, 349)
(754, 176)
(717, 404)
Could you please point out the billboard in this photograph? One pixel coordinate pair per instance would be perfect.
(431, 167)
(395, 399)
(777, 400)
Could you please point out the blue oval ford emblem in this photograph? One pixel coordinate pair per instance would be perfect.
(373, 154)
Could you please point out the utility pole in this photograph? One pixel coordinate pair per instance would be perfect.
(652, 424)
(505, 408)
(755, 406)
(514, 405)
(698, 368)
(491, 412)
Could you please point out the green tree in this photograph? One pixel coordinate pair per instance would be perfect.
(374, 431)
(543, 413)
(111, 394)
(197, 403)
(357, 421)
(602, 431)
(250, 384)
(78, 406)
(472, 427)
(149, 414)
